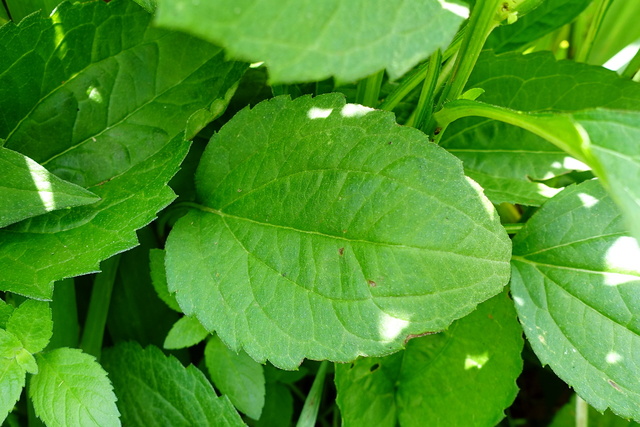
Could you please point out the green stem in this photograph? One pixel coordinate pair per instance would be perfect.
(64, 312)
(93, 333)
(632, 70)
(585, 47)
(582, 412)
(513, 228)
(369, 90)
(427, 96)
(309, 412)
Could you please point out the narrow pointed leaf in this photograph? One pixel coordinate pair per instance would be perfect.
(28, 189)
(475, 361)
(237, 376)
(329, 232)
(99, 98)
(12, 381)
(310, 40)
(72, 389)
(159, 279)
(186, 332)
(31, 322)
(576, 292)
(156, 390)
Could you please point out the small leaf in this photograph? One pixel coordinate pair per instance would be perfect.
(159, 279)
(186, 332)
(237, 376)
(28, 189)
(5, 313)
(328, 232)
(27, 361)
(10, 345)
(311, 40)
(156, 390)
(72, 389)
(12, 380)
(575, 281)
(31, 322)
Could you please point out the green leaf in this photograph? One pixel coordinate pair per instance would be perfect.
(156, 390)
(5, 313)
(329, 232)
(237, 376)
(618, 30)
(26, 361)
(159, 279)
(101, 100)
(535, 83)
(566, 417)
(575, 281)
(28, 189)
(310, 40)
(12, 380)
(309, 414)
(476, 361)
(148, 5)
(72, 389)
(10, 345)
(544, 19)
(278, 407)
(186, 332)
(31, 323)
(21, 8)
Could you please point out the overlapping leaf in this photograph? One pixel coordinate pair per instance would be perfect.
(100, 99)
(476, 361)
(329, 232)
(533, 83)
(310, 40)
(576, 281)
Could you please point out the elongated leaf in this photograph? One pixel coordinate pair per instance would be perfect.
(156, 390)
(237, 376)
(575, 281)
(31, 322)
(328, 232)
(28, 189)
(101, 100)
(12, 380)
(72, 389)
(476, 361)
(535, 82)
(21, 8)
(186, 332)
(159, 279)
(310, 40)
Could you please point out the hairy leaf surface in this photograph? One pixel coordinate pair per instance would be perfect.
(100, 99)
(72, 389)
(31, 322)
(576, 290)
(475, 361)
(156, 390)
(310, 40)
(28, 189)
(536, 83)
(329, 232)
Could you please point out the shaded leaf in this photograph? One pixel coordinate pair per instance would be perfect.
(156, 390)
(5, 313)
(31, 323)
(159, 279)
(186, 332)
(566, 417)
(576, 281)
(475, 361)
(28, 189)
(72, 389)
(278, 407)
(309, 40)
(237, 376)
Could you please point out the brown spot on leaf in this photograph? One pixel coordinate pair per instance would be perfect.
(372, 283)
(614, 385)
(437, 131)
(424, 334)
(341, 251)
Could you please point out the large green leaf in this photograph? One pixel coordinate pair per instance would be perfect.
(536, 83)
(327, 232)
(576, 281)
(100, 99)
(72, 389)
(28, 189)
(476, 361)
(311, 40)
(156, 390)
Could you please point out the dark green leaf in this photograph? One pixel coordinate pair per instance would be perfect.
(186, 332)
(21, 8)
(159, 279)
(5, 313)
(156, 390)
(28, 189)
(310, 40)
(278, 407)
(237, 376)
(476, 361)
(330, 232)
(576, 281)
(31, 323)
(72, 389)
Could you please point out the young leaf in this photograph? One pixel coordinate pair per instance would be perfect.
(476, 361)
(12, 380)
(186, 332)
(534, 83)
(575, 281)
(156, 390)
(329, 232)
(31, 323)
(310, 40)
(159, 279)
(100, 99)
(28, 189)
(237, 376)
(72, 389)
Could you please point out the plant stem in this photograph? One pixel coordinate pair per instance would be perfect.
(427, 96)
(93, 333)
(582, 412)
(513, 228)
(632, 70)
(309, 412)
(369, 90)
(585, 47)
(64, 312)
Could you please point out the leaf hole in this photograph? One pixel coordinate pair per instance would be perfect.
(374, 367)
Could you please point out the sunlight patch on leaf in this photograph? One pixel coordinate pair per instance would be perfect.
(391, 327)
(43, 185)
(613, 357)
(588, 201)
(476, 361)
(319, 113)
(355, 110)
